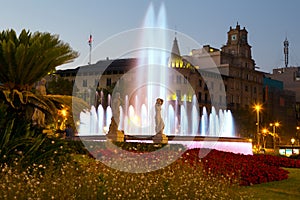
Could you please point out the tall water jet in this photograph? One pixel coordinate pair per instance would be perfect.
(154, 78)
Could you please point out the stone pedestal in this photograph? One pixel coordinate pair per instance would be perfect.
(117, 136)
(114, 134)
(160, 138)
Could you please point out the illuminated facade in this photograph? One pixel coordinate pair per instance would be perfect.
(235, 62)
(223, 78)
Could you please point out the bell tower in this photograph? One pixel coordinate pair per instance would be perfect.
(237, 47)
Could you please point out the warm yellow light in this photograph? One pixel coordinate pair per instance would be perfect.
(277, 124)
(64, 112)
(265, 130)
(297, 127)
(293, 140)
(257, 107)
(173, 97)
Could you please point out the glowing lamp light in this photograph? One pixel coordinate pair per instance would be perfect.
(293, 141)
(265, 130)
(64, 112)
(257, 107)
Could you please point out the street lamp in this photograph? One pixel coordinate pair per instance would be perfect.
(257, 108)
(293, 141)
(297, 134)
(265, 132)
(274, 125)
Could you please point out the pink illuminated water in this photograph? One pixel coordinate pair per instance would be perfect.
(153, 79)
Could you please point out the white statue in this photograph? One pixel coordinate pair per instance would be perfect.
(159, 123)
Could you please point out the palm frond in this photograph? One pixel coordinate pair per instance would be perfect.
(27, 58)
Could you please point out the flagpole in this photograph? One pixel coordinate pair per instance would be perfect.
(90, 44)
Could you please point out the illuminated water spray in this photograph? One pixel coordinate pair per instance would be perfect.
(150, 79)
(153, 59)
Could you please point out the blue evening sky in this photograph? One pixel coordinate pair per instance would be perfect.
(268, 23)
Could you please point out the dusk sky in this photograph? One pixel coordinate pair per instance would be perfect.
(268, 23)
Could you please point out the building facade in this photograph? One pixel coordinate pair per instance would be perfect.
(226, 78)
(279, 107)
(234, 61)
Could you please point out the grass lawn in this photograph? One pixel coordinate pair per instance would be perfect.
(285, 189)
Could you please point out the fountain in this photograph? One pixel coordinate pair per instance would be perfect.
(180, 113)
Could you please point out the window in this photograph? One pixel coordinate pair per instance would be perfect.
(178, 95)
(233, 37)
(246, 88)
(254, 90)
(205, 98)
(108, 82)
(205, 87)
(297, 75)
(84, 83)
(185, 79)
(200, 83)
(178, 79)
(237, 85)
(199, 96)
(238, 100)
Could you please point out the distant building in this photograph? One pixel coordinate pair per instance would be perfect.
(279, 106)
(223, 78)
(290, 76)
(234, 60)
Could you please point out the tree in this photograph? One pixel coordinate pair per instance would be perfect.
(24, 60)
(60, 86)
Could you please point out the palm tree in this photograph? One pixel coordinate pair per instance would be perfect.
(24, 60)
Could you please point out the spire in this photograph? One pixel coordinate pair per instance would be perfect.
(286, 52)
(175, 48)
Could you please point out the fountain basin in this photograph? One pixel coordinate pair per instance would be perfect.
(234, 145)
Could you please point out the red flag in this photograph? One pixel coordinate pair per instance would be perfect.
(90, 40)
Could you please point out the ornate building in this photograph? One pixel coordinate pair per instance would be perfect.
(244, 87)
(225, 78)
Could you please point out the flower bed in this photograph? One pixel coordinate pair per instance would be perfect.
(278, 161)
(247, 168)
